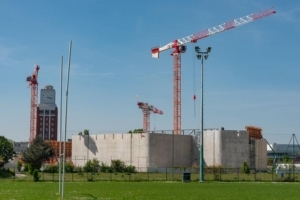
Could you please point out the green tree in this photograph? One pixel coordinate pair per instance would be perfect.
(37, 153)
(86, 132)
(139, 130)
(80, 133)
(6, 150)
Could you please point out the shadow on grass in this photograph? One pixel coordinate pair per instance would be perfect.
(91, 196)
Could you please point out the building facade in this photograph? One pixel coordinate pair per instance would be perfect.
(281, 150)
(55, 145)
(230, 148)
(47, 114)
(20, 147)
(145, 151)
(155, 152)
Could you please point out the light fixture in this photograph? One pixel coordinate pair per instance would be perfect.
(197, 49)
(208, 49)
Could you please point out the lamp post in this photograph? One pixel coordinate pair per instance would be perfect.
(200, 55)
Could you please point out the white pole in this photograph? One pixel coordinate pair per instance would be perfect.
(66, 117)
(60, 125)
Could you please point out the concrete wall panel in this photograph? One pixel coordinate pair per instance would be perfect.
(227, 148)
(261, 154)
(131, 149)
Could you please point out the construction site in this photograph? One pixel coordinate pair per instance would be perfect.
(150, 100)
(155, 150)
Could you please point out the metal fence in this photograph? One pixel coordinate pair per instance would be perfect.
(170, 174)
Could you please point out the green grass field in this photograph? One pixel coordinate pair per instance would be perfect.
(149, 190)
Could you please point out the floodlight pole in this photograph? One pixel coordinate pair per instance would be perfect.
(66, 117)
(60, 126)
(201, 55)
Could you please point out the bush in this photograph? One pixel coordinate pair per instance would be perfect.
(19, 165)
(69, 167)
(129, 169)
(51, 168)
(245, 168)
(115, 167)
(11, 171)
(78, 169)
(26, 168)
(4, 173)
(91, 166)
(104, 167)
(216, 171)
(118, 165)
(88, 166)
(110, 170)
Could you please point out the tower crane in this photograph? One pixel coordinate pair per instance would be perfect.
(33, 83)
(179, 46)
(146, 114)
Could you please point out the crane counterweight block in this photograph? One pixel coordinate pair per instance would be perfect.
(155, 52)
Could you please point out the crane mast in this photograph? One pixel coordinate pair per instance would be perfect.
(146, 108)
(33, 83)
(179, 46)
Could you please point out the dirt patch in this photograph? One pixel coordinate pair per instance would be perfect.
(20, 175)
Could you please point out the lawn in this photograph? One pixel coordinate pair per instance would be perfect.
(149, 190)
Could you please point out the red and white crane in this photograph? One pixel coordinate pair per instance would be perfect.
(33, 83)
(146, 114)
(179, 47)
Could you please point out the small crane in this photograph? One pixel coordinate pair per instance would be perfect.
(33, 83)
(146, 114)
(179, 46)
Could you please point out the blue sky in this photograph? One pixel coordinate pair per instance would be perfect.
(250, 78)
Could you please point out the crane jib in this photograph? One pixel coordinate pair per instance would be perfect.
(211, 31)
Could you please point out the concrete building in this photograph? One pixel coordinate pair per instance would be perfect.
(230, 148)
(153, 151)
(143, 150)
(47, 115)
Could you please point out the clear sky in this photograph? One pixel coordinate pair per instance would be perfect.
(250, 78)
